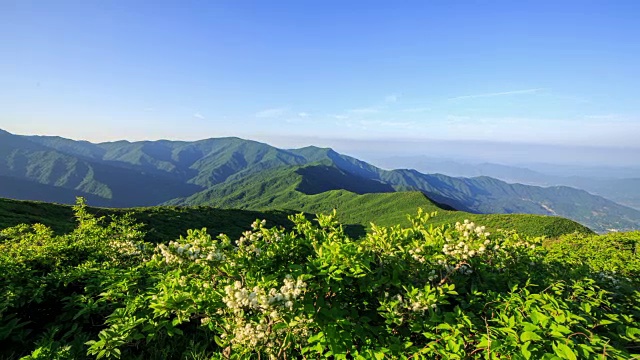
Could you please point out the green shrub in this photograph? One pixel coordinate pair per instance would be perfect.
(451, 292)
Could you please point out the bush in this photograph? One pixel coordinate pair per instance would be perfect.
(451, 291)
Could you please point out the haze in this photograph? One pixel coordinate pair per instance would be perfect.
(502, 81)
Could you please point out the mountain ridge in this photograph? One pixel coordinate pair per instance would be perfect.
(145, 173)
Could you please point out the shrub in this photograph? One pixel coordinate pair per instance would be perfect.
(450, 291)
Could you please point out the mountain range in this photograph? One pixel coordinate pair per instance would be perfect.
(237, 173)
(619, 184)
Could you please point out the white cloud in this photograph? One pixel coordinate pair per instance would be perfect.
(604, 117)
(303, 114)
(416, 110)
(514, 92)
(198, 116)
(389, 99)
(457, 118)
(341, 117)
(378, 124)
(272, 113)
(367, 110)
(393, 124)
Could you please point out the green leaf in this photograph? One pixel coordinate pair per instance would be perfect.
(219, 341)
(565, 352)
(633, 332)
(529, 336)
(524, 349)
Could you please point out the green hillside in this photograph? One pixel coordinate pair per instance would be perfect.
(489, 195)
(22, 189)
(295, 189)
(148, 173)
(204, 162)
(161, 224)
(422, 291)
(103, 183)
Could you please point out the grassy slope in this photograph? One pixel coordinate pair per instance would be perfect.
(280, 189)
(488, 195)
(161, 223)
(173, 169)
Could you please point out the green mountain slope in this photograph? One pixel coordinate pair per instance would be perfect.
(148, 173)
(204, 163)
(488, 195)
(296, 189)
(21, 189)
(102, 183)
(161, 223)
(618, 184)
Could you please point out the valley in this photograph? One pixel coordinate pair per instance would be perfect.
(237, 173)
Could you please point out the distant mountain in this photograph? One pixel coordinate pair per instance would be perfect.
(107, 183)
(125, 174)
(471, 168)
(203, 163)
(614, 183)
(488, 195)
(319, 188)
(22, 189)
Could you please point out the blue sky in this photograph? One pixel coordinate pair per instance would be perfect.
(545, 72)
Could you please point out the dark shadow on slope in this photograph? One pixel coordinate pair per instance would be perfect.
(22, 189)
(321, 178)
(355, 231)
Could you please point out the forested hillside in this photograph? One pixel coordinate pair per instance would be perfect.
(128, 174)
(301, 189)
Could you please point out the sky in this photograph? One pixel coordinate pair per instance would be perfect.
(556, 73)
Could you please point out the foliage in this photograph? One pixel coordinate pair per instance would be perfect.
(320, 189)
(426, 292)
(356, 212)
(161, 223)
(150, 173)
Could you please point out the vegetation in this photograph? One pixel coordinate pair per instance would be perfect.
(159, 223)
(300, 189)
(149, 173)
(421, 291)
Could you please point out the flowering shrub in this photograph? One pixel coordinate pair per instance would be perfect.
(422, 292)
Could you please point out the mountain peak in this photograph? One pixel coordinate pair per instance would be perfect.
(147, 173)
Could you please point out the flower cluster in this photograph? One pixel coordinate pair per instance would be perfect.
(169, 256)
(523, 244)
(463, 267)
(176, 252)
(432, 275)
(473, 242)
(238, 297)
(125, 247)
(250, 334)
(272, 304)
(248, 239)
(418, 254)
(468, 228)
(258, 224)
(422, 305)
(463, 251)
